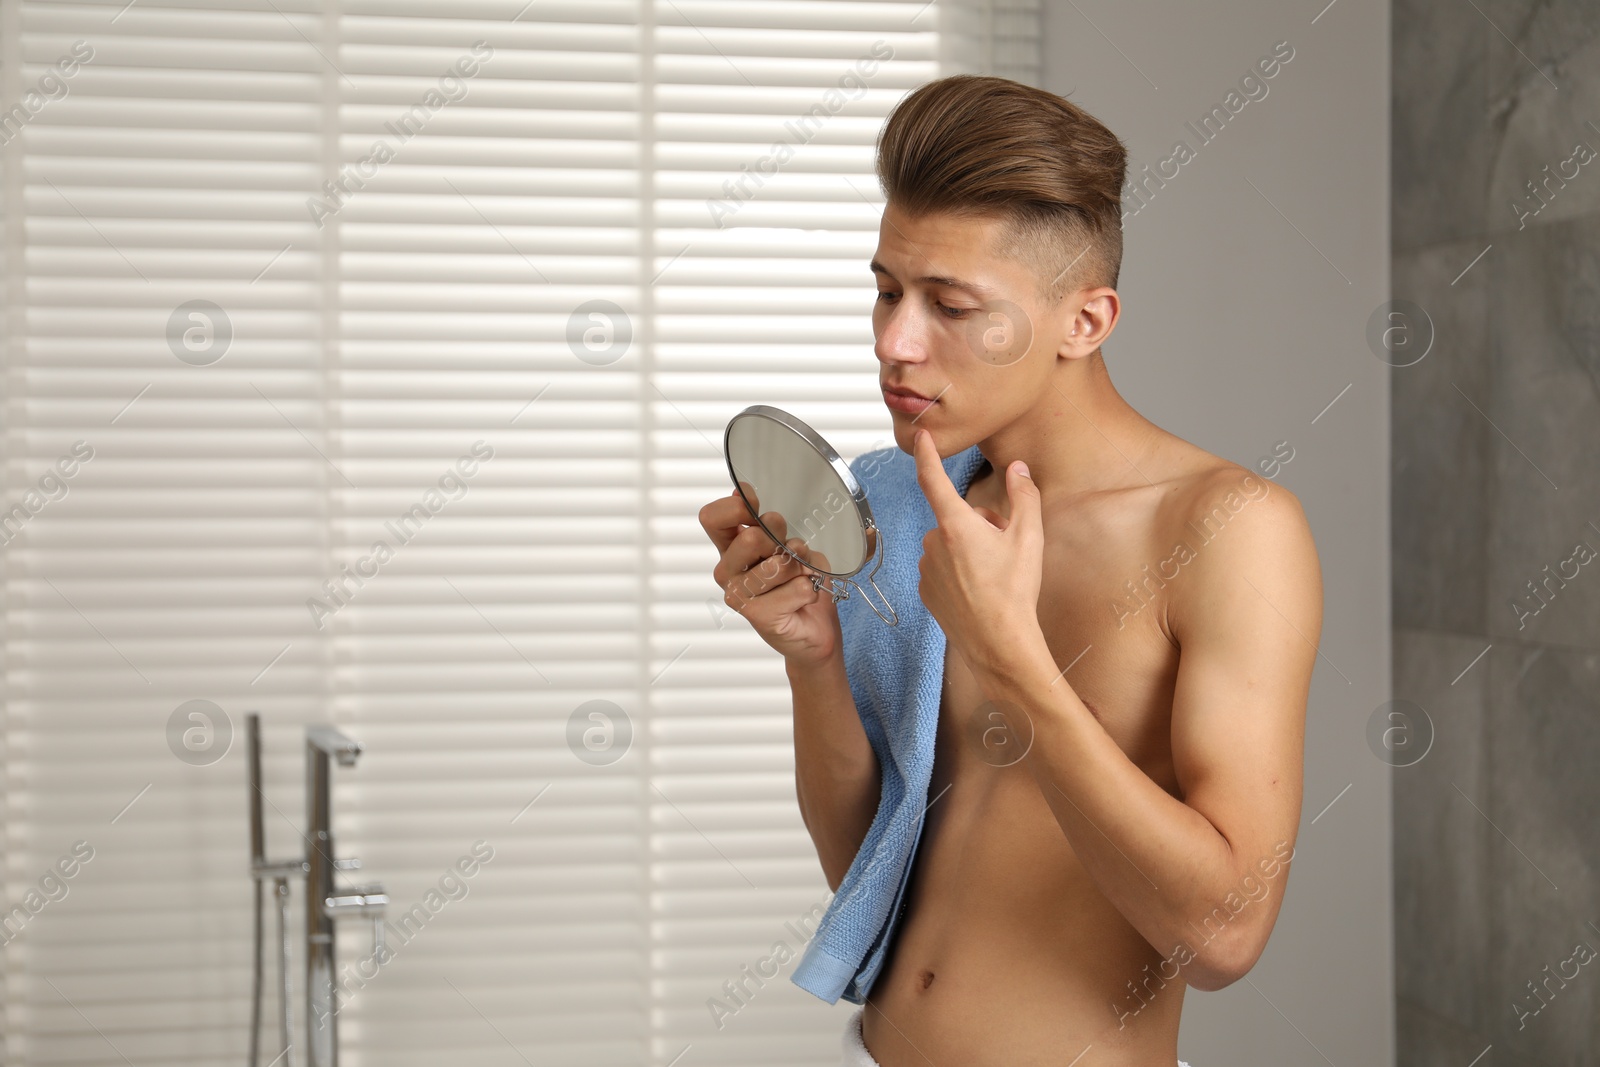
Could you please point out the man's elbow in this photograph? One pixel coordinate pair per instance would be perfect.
(1225, 960)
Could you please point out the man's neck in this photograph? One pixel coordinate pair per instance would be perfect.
(1081, 437)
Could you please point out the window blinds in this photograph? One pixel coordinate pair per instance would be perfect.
(389, 346)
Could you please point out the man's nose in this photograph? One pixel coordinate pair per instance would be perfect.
(901, 337)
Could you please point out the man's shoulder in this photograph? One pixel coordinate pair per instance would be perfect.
(1239, 526)
(1195, 483)
(1221, 490)
(1214, 495)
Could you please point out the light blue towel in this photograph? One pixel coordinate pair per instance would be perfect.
(896, 677)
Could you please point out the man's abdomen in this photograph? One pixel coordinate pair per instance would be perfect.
(1007, 952)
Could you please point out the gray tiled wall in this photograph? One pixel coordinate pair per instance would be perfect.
(1496, 445)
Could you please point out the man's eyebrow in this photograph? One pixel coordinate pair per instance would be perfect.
(972, 288)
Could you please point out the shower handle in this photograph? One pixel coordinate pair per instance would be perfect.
(368, 901)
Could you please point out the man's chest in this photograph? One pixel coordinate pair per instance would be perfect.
(1101, 611)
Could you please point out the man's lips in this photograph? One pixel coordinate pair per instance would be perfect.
(895, 390)
(907, 403)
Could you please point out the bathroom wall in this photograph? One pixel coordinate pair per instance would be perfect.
(1250, 277)
(1496, 518)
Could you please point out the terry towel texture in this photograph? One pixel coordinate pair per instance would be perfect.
(855, 1050)
(896, 675)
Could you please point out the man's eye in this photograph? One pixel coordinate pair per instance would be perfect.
(952, 313)
(885, 296)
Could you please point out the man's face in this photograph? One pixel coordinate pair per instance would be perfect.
(957, 321)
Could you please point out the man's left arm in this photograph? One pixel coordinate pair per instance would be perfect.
(1246, 611)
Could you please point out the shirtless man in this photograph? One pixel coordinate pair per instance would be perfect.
(1145, 613)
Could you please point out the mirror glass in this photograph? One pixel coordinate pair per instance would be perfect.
(790, 469)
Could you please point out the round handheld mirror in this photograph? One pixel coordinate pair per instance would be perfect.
(779, 464)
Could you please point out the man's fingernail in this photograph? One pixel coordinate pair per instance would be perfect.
(1022, 469)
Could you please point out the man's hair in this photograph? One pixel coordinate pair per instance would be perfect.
(985, 147)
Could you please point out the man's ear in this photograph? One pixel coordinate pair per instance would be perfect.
(1096, 315)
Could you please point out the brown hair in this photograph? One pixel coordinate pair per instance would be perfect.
(980, 146)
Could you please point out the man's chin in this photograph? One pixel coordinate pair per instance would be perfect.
(905, 435)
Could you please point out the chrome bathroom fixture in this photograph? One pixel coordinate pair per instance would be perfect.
(325, 901)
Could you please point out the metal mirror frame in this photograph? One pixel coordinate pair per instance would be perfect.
(839, 583)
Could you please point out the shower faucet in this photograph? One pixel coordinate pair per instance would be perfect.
(327, 739)
(326, 903)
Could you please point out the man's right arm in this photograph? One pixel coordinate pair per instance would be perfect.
(836, 773)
